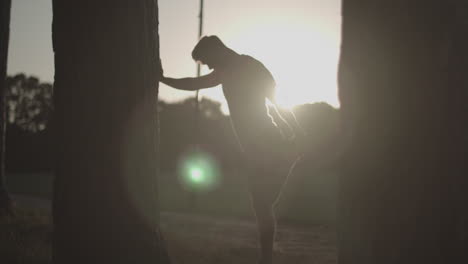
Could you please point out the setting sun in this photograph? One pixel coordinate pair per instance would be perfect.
(302, 58)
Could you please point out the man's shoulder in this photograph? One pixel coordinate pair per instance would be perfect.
(250, 63)
(249, 59)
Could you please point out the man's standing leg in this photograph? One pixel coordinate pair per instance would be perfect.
(265, 185)
(266, 225)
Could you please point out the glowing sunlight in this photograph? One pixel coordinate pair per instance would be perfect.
(303, 59)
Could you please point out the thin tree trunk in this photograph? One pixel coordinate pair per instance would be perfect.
(5, 7)
(404, 116)
(106, 86)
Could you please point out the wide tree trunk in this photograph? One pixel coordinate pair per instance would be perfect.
(403, 91)
(106, 86)
(5, 8)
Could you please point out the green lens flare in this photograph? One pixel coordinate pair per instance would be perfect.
(198, 171)
(196, 175)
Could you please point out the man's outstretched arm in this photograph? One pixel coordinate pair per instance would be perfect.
(192, 84)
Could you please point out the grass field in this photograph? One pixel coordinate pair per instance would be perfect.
(194, 239)
(199, 228)
(306, 198)
(26, 238)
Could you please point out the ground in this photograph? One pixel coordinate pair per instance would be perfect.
(191, 238)
(217, 240)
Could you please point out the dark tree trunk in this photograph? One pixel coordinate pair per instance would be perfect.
(404, 92)
(5, 7)
(106, 88)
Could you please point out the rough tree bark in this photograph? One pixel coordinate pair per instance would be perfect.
(404, 91)
(106, 85)
(5, 7)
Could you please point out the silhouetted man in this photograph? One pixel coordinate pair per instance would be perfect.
(247, 84)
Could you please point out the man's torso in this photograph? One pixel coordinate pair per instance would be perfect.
(246, 84)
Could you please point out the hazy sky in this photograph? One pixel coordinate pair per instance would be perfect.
(298, 40)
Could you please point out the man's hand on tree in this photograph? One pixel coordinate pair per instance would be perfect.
(160, 71)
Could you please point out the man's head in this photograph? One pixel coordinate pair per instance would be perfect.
(210, 50)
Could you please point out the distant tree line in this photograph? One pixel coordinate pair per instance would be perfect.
(29, 102)
(30, 115)
(29, 111)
